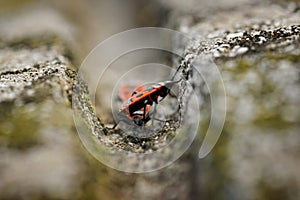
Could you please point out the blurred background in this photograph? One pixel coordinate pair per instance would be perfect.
(257, 155)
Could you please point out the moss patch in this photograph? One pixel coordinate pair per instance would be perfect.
(19, 128)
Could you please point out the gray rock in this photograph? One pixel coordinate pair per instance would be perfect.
(257, 53)
(256, 48)
(36, 120)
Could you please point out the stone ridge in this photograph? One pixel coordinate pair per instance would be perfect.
(241, 42)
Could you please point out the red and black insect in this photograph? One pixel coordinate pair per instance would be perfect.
(138, 106)
(140, 99)
(139, 116)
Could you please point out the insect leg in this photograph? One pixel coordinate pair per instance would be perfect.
(144, 113)
(160, 120)
(115, 125)
(176, 72)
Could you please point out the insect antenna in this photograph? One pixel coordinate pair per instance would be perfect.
(176, 72)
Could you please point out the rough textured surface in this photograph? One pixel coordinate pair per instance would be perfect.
(256, 48)
(37, 130)
(35, 119)
(27, 63)
(41, 155)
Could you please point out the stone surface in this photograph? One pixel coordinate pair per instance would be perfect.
(256, 48)
(37, 157)
(41, 152)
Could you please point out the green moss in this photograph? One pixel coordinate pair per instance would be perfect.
(244, 65)
(40, 41)
(13, 5)
(271, 119)
(294, 58)
(269, 191)
(100, 181)
(68, 104)
(218, 169)
(70, 73)
(170, 135)
(32, 42)
(240, 66)
(19, 128)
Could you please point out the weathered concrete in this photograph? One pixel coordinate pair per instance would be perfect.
(256, 48)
